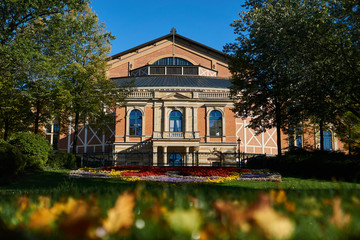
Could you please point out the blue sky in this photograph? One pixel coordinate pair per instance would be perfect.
(139, 21)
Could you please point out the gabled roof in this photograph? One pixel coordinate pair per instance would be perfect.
(177, 36)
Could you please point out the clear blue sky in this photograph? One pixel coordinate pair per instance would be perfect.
(139, 21)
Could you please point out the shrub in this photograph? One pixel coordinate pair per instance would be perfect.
(318, 164)
(62, 160)
(12, 160)
(35, 148)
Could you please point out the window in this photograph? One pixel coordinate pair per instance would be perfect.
(297, 141)
(169, 61)
(52, 134)
(135, 123)
(327, 141)
(215, 123)
(175, 160)
(291, 142)
(175, 121)
(298, 137)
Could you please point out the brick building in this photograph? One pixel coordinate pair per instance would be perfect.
(180, 106)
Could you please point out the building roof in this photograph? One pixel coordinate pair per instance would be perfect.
(175, 81)
(177, 36)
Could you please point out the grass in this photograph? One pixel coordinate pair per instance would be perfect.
(308, 203)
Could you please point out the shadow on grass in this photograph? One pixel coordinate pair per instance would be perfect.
(57, 184)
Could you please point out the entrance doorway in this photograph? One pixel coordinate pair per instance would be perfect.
(175, 160)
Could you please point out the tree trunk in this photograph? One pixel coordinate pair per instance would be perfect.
(37, 118)
(321, 135)
(6, 130)
(76, 132)
(278, 128)
(349, 140)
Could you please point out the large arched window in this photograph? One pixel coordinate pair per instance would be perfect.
(215, 123)
(135, 123)
(169, 61)
(175, 121)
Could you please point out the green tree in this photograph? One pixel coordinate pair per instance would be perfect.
(41, 83)
(19, 53)
(313, 46)
(83, 74)
(261, 65)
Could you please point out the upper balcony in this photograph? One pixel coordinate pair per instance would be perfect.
(176, 135)
(197, 70)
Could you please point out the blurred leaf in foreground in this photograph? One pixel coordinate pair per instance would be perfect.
(260, 215)
(339, 218)
(184, 221)
(121, 216)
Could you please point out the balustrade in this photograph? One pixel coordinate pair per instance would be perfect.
(171, 135)
(217, 95)
(140, 95)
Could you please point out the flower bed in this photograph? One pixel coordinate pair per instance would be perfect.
(177, 174)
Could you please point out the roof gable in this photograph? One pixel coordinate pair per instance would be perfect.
(169, 37)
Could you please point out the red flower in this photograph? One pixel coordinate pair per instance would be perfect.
(186, 171)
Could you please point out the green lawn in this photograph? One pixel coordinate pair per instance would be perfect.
(162, 210)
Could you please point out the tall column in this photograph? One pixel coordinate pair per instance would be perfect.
(187, 120)
(157, 116)
(127, 125)
(186, 156)
(195, 121)
(155, 160)
(165, 155)
(165, 120)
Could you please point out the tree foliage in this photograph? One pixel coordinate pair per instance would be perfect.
(22, 57)
(83, 75)
(57, 68)
(296, 61)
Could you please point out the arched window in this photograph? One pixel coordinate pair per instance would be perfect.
(327, 141)
(135, 123)
(215, 123)
(169, 61)
(175, 121)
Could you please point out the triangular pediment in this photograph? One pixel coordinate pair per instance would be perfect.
(175, 96)
(169, 37)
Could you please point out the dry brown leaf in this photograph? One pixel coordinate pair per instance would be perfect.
(156, 211)
(281, 197)
(41, 219)
(23, 202)
(291, 207)
(121, 216)
(271, 223)
(260, 215)
(230, 212)
(339, 218)
(79, 218)
(208, 232)
(44, 202)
